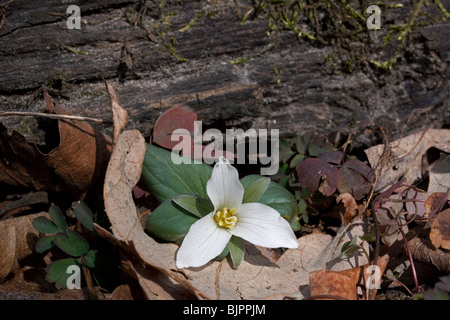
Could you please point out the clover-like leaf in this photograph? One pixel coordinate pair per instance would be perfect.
(285, 151)
(45, 243)
(59, 271)
(44, 225)
(315, 173)
(71, 243)
(318, 145)
(302, 142)
(355, 178)
(57, 218)
(84, 215)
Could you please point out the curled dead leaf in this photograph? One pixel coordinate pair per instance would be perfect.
(71, 162)
(347, 284)
(351, 207)
(434, 203)
(440, 230)
(17, 241)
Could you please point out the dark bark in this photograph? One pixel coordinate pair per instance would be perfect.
(285, 84)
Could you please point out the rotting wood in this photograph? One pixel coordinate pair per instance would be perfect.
(281, 84)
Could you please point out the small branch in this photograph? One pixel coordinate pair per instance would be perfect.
(52, 116)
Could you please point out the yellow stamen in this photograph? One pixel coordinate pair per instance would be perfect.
(225, 218)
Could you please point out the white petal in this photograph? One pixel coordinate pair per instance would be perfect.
(224, 188)
(204, 241)
(263, 226)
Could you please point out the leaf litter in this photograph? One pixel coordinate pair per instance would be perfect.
(313, 270)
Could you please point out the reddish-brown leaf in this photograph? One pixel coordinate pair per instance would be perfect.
(312, 171)
(172, 119)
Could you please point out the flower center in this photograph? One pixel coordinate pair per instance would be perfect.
(225, 218)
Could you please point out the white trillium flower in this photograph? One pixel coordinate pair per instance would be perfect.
(255, 222)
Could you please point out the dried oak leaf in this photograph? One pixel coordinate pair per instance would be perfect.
(405, 156)
(345, 284)
(440, 175)
(440, 230)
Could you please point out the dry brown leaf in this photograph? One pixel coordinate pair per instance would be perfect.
(347, 284)
(328, 256)
(71, 165)
(81, 156)
(440, 175)
(440, 230)
(405, 159)
(156, 282)
(17, 241)
(21, 164)
(351, 207)
(151, 261)
(128, 291)
(434, 204)
(120, 115)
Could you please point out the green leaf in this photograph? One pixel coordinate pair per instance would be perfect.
(57, 218)
(223, 254)
(44, 225)
(197, 206)
(165, 179)
(45, 243)
(318, 145)
(84, 215)
(255, 190)
(169, 222)
(296, 160)
(302, 142)
(302, 206)
(71, 243)
(285, 151)
(236, 248)
(277, 198)
(349, 247)
(58, 272)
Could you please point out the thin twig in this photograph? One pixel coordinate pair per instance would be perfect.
(408, 250)
(378, 170)
(52, 116)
